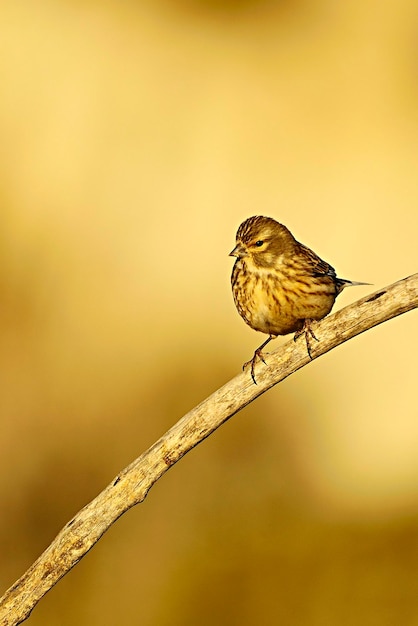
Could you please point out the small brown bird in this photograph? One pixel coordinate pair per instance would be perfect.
(279, 285)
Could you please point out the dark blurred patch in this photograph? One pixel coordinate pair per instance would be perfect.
(290, 569)
(63, 483)
(235, 8)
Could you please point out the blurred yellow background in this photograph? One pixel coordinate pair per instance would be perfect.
(136, 136)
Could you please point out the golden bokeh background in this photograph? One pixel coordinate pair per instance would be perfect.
(136, 136)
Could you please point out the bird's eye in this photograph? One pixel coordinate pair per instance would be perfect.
(259, 243)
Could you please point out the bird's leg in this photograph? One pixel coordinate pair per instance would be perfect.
(307, 331)
(258, 353)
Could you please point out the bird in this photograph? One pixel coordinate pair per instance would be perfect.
(279, 285)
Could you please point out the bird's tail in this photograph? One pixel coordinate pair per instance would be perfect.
(342, 283)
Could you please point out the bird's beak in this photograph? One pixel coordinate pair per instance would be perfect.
(238, 251)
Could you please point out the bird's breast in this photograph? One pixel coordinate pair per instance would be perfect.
(275, 300)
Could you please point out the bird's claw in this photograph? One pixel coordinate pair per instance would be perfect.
(308, 332)
(253, 361)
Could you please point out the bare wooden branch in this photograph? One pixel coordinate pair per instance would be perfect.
(132, 484)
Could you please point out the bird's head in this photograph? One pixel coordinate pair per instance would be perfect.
(263, 240)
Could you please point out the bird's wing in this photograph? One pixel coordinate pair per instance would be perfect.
(316, 266)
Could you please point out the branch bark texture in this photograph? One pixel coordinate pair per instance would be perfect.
(132, 484)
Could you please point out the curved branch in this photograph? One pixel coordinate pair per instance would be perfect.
(132, 484)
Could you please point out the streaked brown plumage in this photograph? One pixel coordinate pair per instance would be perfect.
(279, 285)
